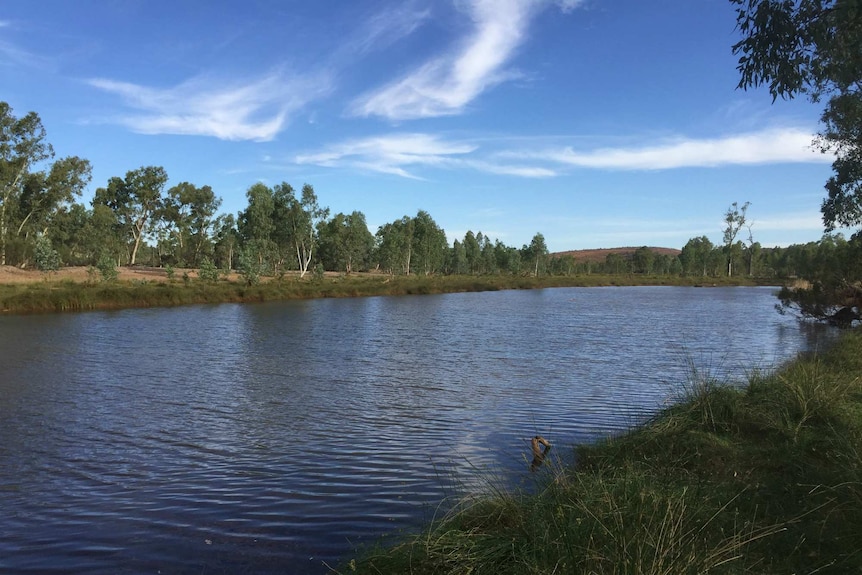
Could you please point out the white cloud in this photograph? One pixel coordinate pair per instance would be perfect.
(255, 110)
(390, 154)
(388, 26)
(788, 222)
(401, 154)
(445, 85)
(786, 145)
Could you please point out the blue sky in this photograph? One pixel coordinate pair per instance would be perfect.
(599, 123)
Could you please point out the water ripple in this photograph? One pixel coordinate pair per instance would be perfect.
(271, 438)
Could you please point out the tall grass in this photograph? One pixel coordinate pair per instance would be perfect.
(760, 478)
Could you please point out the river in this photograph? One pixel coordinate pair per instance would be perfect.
(274, 438)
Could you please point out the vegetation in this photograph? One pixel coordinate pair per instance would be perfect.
(138, 219)
(812, 48)
(764, 478)
(104, 291)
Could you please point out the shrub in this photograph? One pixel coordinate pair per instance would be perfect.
(107, 268)
(47, 258)
(208, 271)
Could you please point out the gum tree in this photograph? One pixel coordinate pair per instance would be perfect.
(813, 49)
(734, 219)
(135, 200)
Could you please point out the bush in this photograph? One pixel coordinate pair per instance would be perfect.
(107, 268)
(47, 258)
(208, 271)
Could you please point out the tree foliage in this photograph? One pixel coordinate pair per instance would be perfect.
(135, 200)
(813, 48)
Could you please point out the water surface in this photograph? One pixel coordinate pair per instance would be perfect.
(273, 438)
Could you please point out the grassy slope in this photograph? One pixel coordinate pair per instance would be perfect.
(765, 479)
(50, 296)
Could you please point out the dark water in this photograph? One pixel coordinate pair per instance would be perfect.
(274, 438)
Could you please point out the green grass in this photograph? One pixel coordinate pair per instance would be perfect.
(764, 478)
(56, 296)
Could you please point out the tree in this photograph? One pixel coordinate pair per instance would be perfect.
(538, 251)
(429, 242)
(472, 252)
(43, 193)
(458, 265)
(27, 195)
(135, 200)
(345, 242)
(813, 48)
(226, 239)
(255, 224)
(190, 213)
(643, 259)
(395, 245)
(695, 256)
(304, 218)
(735, 220)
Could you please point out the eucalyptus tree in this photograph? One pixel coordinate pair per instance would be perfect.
(643, 259)
(473, 252)
(430, 244)
(696, 255)
(458, 264)
(104, 235)
(67, 233)
(538, 251)
(345, 242)
(43, 193)
(734, 219)
(508, 259)
(489, 257)
(226, 240)
(395, 245)
(811, 48)
(304, 217)
(137, 201)
(189, 213)
(256, 224)
(28, 196)
(284, 203)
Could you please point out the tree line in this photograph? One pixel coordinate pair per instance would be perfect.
(137, 219)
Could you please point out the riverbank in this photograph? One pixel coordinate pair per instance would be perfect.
(766, 478)
(76, 289)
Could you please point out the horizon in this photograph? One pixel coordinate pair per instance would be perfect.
(593, 122)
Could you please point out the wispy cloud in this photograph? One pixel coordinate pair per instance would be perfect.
(404, 154)
(446, 84)
(788, 222)
(388, 26)
(390, 154)
(786, 145)
(13, 54)
(203, 106)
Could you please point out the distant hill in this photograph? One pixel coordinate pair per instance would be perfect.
(601, 254)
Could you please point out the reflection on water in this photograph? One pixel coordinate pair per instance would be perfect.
(274, 437)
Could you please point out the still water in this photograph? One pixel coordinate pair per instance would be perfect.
(274, 438)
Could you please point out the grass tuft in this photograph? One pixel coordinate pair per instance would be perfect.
(760, 478)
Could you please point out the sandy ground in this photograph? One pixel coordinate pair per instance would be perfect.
(14, 275)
